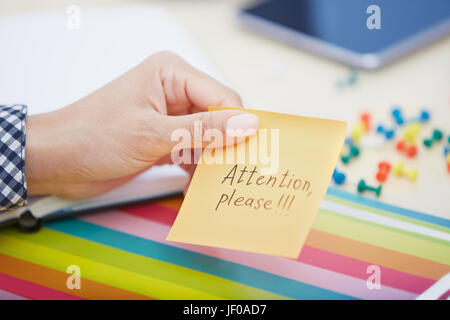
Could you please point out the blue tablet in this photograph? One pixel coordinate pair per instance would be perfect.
(362, 33)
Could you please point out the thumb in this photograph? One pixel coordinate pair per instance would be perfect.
(211, 129)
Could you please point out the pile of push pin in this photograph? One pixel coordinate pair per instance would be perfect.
(406, 145)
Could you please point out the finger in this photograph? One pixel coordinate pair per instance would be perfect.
(188, 88)
(204, 91)
(207, 129)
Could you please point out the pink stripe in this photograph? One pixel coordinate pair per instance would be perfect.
(309, 255)
(31, 290)
(284, 267)
(4, 295)
(357, 268)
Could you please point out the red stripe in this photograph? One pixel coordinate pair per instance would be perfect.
(153, 212)
(31, 290)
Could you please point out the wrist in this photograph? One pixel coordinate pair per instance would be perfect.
(38, 152)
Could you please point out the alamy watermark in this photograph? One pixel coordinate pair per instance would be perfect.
(374, 280)
(74, 280)
(374, 20)
(73, 21)
(262, 148)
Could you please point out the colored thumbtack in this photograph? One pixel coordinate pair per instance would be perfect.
(388, 133)
(447, 154)
(352, 153)
(399, 170)
(411, 132)
(384, 168)
(437, 135)
(366, 119)
(348, 141)
(398, 116)
(424, 116)
(358, 131)
(338, 177)
(362, 186)
(351, 79)
(447, 147)
(409, 150)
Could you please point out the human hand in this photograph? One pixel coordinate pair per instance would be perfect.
(123, 128)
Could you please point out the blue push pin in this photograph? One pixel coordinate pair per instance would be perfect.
(424, 116)
(348, 141)
(338, 177)
(398, 116)
(388, 133)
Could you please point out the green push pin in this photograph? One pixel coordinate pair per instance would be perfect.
(353, 152)
(362, 186)
(437, 135)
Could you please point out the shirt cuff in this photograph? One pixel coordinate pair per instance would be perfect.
(13, 188)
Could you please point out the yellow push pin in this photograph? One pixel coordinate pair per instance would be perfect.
(358, 131)
(399, 170)
(411, 132)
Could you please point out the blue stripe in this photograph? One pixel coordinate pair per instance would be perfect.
(388, 207)
(193, 260)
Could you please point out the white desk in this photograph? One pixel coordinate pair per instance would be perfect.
(272, 76)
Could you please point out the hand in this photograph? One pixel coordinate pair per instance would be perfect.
(122, 129)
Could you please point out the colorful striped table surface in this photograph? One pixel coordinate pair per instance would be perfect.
(122, 254)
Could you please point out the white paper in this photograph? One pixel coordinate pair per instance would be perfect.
(47, 66)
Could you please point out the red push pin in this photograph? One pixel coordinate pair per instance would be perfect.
(384, 168)
(409, 150)
(365, 118)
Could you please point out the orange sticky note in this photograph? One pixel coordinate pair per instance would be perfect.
(265, 197)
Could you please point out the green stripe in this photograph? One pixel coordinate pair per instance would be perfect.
(393, 229)
(143, 265)
(374, 234)
(388, 214)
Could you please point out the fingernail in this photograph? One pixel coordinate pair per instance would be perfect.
(242, 125)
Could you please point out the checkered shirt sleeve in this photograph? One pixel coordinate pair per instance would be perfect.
(13, 188)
